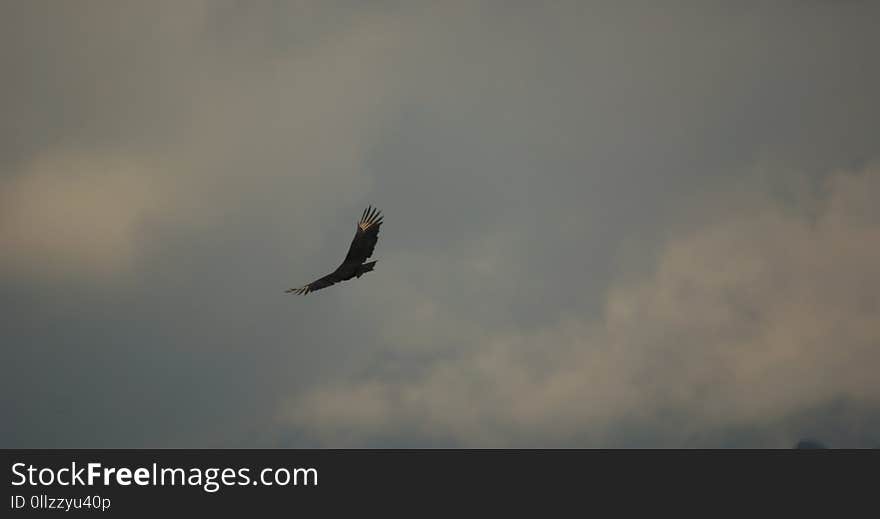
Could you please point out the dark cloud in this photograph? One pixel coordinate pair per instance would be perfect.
(605, 225)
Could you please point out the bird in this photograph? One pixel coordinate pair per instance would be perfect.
(355, 263)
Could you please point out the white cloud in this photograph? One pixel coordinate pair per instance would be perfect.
(747, 318)
(75, 213)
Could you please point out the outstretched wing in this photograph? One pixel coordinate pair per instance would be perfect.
(366, 236)
(361, 248)
(324, 282)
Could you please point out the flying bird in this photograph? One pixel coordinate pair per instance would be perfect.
(361, 249)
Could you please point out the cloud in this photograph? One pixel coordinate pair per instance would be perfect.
(751, 317)
(551, 177)
(174, 134)
(73, 213)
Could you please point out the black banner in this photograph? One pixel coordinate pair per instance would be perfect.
(135, 482)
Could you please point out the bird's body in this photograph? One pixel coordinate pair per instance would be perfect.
(355, 263)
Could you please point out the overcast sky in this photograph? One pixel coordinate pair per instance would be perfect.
(607, 224)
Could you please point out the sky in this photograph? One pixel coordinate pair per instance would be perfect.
(607, 224)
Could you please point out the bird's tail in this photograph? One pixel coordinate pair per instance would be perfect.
(363, 269)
